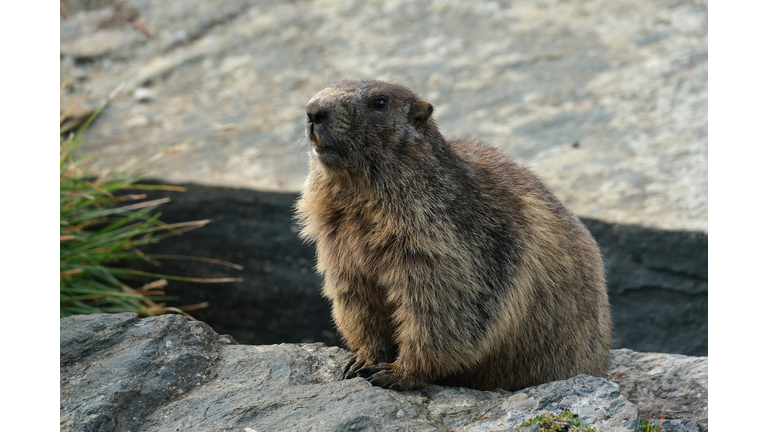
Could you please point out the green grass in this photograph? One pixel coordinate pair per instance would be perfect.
(102, 229)
(647, 426)
(565, 421)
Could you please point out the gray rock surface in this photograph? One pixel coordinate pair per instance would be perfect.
(657, 280)
(678, 385)
(116, 369)
(121, 373)
(677, 425)
(605, 99)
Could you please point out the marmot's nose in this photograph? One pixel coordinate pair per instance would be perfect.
(316, 115)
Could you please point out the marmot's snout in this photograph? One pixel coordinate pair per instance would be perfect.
(316, 115)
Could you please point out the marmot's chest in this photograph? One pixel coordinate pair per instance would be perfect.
(359, 225)
(379, 230)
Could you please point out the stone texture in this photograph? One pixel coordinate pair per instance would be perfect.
(116, 369)
(121, 373)
(605, 99)
(655, 382)
(678, 425)
(658, 288)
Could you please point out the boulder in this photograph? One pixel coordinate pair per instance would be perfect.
(122, 373)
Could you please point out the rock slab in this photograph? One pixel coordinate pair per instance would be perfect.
(605, 99)
(122, 373)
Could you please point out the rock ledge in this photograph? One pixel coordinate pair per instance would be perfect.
(122, 373)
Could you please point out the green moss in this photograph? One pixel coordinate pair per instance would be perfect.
(565, 421)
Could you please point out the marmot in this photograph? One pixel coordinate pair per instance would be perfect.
(446, 262)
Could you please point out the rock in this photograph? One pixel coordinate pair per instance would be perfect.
(653, 286)
(74, 109)
(678, 425)
(116, 369)
(605, 99)
(143, 94)
(121, 373)
(102, 43)
(657, 281)
(674, 383)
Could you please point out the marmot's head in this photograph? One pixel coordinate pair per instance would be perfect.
(356, 125)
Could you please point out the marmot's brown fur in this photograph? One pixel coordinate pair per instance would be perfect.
(446, 262)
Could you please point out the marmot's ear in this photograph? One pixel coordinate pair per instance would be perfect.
(421, 111)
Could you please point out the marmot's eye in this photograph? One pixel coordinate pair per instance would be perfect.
(380, 102)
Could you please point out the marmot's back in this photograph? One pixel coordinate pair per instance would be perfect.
(446, 262)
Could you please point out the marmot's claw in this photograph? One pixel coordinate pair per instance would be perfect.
(359, 366)
(367, 371)
(351, 367)
(387, 379)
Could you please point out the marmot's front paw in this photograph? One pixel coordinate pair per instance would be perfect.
(357, 362)
(386, 375)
